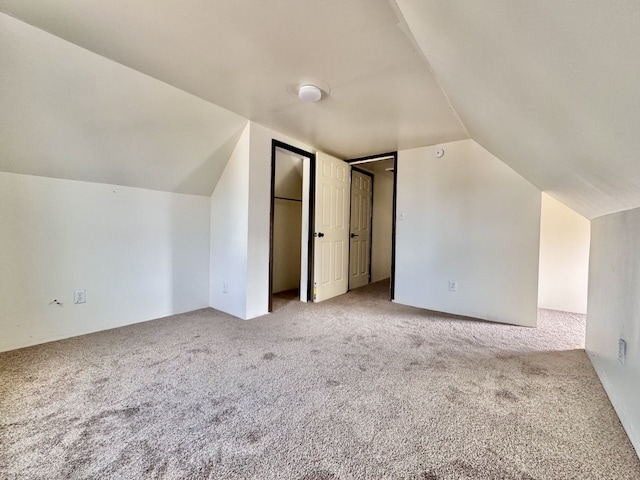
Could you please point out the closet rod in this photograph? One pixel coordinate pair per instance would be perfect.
(290, 199)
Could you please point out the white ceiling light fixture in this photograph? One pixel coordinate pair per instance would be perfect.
(309, 93)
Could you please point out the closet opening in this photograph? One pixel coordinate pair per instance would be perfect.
(292, 186)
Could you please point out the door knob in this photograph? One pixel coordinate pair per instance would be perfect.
(353, 235)
(318, 234)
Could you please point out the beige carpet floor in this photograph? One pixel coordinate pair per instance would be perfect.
(352, 388)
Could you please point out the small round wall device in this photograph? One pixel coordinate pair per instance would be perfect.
(438, 152)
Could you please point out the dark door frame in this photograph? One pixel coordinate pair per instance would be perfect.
(275, 144)
(370, 175)
(373, 158)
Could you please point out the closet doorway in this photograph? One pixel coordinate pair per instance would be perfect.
(292, 187)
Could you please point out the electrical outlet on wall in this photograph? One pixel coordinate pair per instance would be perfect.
(225, 287)
(453, 286)
(80, 296)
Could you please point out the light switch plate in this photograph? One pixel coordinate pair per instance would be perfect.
(622, 351)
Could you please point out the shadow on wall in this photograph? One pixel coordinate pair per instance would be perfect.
(186, 268)
(207, 174)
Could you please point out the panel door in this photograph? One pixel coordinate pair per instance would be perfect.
(360, 237)
(331, 232)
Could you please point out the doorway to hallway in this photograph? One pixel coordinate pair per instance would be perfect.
(381, 264)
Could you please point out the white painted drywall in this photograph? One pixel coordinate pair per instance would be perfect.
(229, 233)
(287, 227)
(381, 226)
(287, 222)
(547, 86)
(467, 218)
(564, 257)
(614, 312)
(257, 296)
(69, 113)
(140, 254)
(240, 217)
(288, 177)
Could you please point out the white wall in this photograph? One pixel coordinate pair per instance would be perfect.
(564, 258)
(229, 233)
(287, 220)
(381, 226)
(240, 216)
(287, 223)
(140, 254)
(259, 204)
(614, 312)
(288, 175)
(467, 218)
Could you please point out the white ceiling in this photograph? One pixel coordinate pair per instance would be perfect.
(550, 87)
(247, 56)
(69, 113)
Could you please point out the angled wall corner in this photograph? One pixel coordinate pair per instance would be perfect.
(240, 221)
(229, 226)
(259, 215)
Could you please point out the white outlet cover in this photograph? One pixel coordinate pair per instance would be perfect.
(80, 296)
(622, 351)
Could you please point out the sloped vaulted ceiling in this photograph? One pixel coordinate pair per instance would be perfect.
(550, 87)
(69, 113)
(247, 57)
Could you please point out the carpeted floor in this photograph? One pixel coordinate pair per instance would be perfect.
(352, 388)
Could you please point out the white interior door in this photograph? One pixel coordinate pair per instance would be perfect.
(360, 237)
(331, 228)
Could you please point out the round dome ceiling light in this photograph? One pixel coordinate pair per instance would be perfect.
(309, 93)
